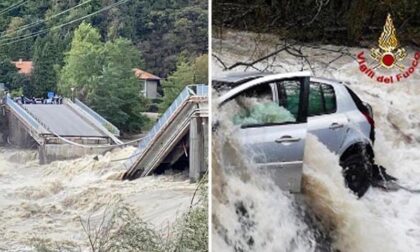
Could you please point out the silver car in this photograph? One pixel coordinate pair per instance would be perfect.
(276, 111)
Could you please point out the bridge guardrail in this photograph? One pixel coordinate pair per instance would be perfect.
(23, 114)
(109, 126)
(187, 92)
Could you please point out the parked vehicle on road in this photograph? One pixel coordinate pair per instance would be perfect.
(276, 111)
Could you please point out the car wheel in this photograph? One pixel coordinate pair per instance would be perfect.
(357, 171)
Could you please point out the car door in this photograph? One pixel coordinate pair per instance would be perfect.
(324, 121)
(273, 129)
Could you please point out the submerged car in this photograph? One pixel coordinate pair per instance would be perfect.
(276, 111)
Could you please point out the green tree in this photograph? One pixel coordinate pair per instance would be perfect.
(186, 73)
(160, 29)
(8, 44)
(117, 94)
(83, 63)
(201, 69)
(7, 72)
(48, 56)
(15, 82)
(103, 75)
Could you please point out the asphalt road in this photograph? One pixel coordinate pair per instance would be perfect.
(63, 121)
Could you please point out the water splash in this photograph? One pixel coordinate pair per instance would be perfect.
(353, 227)
(250, 213)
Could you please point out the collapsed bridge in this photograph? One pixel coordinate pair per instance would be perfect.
(60, 131)
(72, 129)
(180, 133)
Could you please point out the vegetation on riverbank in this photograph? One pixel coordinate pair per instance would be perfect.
(120, 229)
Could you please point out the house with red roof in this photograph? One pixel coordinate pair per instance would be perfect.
(24, 67)
(149, 83)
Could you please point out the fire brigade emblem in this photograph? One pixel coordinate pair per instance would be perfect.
(388, 54)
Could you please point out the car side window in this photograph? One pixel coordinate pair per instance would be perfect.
(322, 99)
(289, 95)
(329, 99)
(258, 106)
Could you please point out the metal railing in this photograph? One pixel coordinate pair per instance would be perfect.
(186, 93)
(109, 126)
(25, 115)
(202, 90)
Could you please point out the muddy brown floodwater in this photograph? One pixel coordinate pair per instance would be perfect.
(47, 201)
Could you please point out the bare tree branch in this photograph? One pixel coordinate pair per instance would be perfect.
(220, 61)
(252, 63)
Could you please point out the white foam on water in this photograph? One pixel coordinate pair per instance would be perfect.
(352, 225)
(249, 212)
(46, 201)
(380, 221)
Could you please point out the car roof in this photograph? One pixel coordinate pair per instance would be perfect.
(240, 76)
(236, 77)
(231, 80)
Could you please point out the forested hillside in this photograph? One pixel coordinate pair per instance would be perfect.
(347, 22)
(93, 45)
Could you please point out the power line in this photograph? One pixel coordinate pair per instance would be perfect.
(27, 26)
(31, 35)
(25, 38)
(12, 7)
(28, 36)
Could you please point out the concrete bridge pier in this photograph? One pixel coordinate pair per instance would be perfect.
(198, 148)
(3, 127)
(17, 133)
(54, 152)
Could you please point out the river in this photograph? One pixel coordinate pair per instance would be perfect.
(47, 201)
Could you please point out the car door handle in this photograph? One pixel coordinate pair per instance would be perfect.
(336, 125)
(287, 139)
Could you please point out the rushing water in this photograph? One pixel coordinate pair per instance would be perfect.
(380, 221)
(47, 201)
(249, 212)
